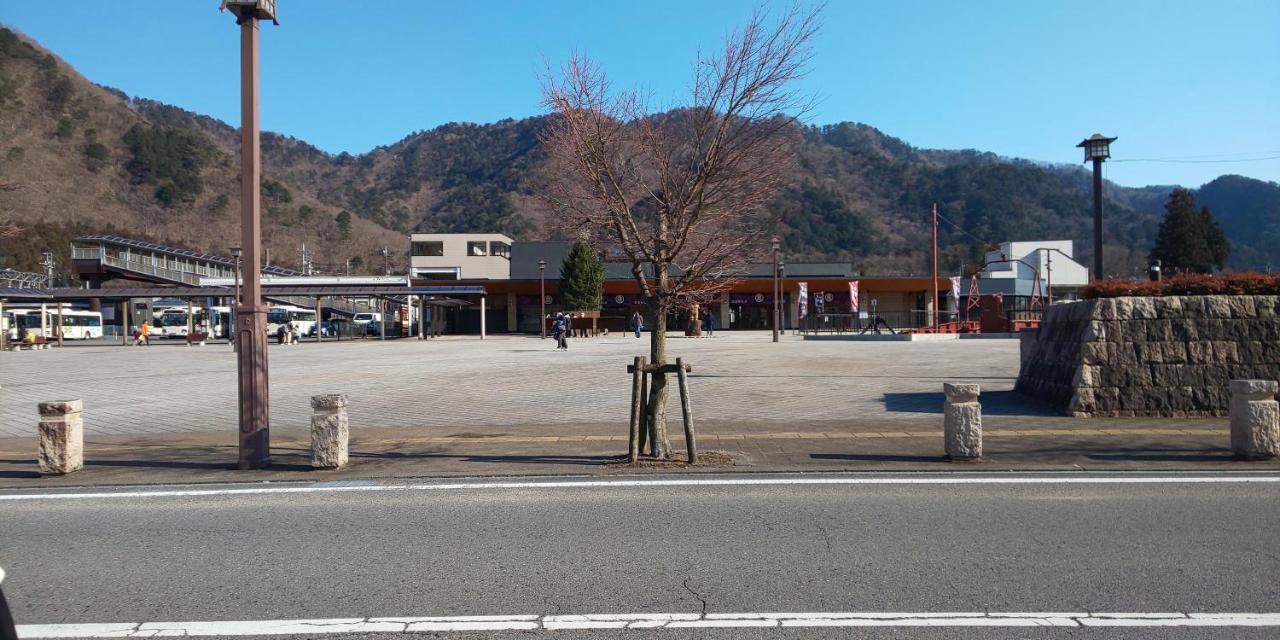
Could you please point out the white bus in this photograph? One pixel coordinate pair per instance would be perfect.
(172, 323)
(303, 319)
(76, 324)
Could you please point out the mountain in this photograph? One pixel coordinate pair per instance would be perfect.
(76, 157)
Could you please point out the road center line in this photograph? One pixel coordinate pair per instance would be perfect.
(330, 626)
(631, 483)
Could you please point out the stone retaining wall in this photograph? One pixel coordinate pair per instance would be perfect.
(1166, 356)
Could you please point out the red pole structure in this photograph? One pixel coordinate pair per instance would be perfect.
(251, 315)
(934, 305)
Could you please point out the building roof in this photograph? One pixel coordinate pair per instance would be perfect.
(177, 252)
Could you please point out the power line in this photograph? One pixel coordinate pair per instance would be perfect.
(961, 230)
(1180, 161)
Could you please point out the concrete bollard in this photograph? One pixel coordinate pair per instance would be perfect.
(1255, 419)
(962, 422)
(329, 431)
(61, 433)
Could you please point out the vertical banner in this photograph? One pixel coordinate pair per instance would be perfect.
(804, 299)
(853, 296)
(955, 287)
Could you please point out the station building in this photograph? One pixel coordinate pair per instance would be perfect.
(517, 288)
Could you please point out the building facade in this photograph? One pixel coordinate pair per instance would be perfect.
(460, 256)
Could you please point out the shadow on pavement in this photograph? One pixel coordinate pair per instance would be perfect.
(873, 457)
(994, 403)
(512, 459)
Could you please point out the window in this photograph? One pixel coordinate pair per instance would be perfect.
(477, 248)
(428, 248)
(500, 249)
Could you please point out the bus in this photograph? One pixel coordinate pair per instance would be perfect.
(76, 324)
(303, 319)
(216, 320)
(172, 323)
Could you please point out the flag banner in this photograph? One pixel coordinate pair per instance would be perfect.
(955, 287)
(804, 299)
(853, 296)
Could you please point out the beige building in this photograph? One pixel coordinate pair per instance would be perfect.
(460, 256)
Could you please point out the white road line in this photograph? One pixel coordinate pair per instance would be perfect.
(334, 626)
(682, 482)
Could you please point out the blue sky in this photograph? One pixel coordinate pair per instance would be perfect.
(1174, 79)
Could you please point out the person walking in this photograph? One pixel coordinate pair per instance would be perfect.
(560, 331)
(637, 323)
(144, 333)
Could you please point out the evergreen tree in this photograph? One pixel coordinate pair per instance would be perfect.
(581, 278)
(1189, 241)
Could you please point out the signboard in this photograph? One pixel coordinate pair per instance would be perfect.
(622, 299)
(751, 298)
(804, 299)
(820, 302)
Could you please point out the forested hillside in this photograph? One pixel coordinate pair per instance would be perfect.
(77, 158)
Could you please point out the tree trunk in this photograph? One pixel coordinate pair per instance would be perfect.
(658, 390)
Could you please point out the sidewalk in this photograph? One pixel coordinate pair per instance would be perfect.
(1012, 443)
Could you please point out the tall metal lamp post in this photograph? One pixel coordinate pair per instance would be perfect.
(251, 314)
(777, 294)
(1097, 148)
(542, 298)
(235, 253)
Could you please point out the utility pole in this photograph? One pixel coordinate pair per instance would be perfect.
(251, 316)
(47, 263)
(348, 266)
(307, 258)
(934, 304)
(386, 261)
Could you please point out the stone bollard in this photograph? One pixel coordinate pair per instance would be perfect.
(1255, 419)
(61, 434)
(962, 424)
(329, 431)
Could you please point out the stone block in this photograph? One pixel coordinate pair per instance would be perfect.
(1216, 306)
(1255, 419)
(961, 392)
(962, 421)
(1169, 307)
(1143, 308)
(1087, 375)
(330, 431)
(1104, 309)
(61, 437)
(1183, 330)
(1242, 307)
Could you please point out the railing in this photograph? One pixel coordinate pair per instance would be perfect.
(22, 279)
(138, 266)
(86, 253)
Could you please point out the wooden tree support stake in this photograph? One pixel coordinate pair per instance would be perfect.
(690, 442)
(637, 410)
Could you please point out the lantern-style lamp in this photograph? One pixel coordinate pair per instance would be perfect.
(1097, 148)
(256, 9)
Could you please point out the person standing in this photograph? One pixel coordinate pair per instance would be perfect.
(637, 323)
(560, 331)
(711, 322)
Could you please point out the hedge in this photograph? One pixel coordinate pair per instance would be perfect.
(1187, 285)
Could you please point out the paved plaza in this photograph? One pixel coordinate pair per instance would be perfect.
(512, 385)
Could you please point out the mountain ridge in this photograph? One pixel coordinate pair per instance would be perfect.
(89, 158)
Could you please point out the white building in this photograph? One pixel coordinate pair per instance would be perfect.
(460, 256)
(1053, 260)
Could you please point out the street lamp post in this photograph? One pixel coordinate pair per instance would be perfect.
(542, 298)
(251, 314)
(235, 253)
(1097, 148)
(782, 292)
(776, 292)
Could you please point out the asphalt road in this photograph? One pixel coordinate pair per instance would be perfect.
(1144, 547)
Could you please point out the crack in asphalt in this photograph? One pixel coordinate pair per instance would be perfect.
(825, 537)
(696, 595)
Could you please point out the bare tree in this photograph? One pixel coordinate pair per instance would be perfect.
(682, 193)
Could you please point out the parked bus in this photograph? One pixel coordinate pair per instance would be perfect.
(76, 324)
(216, 320)
(303, 319)
(172, 323)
